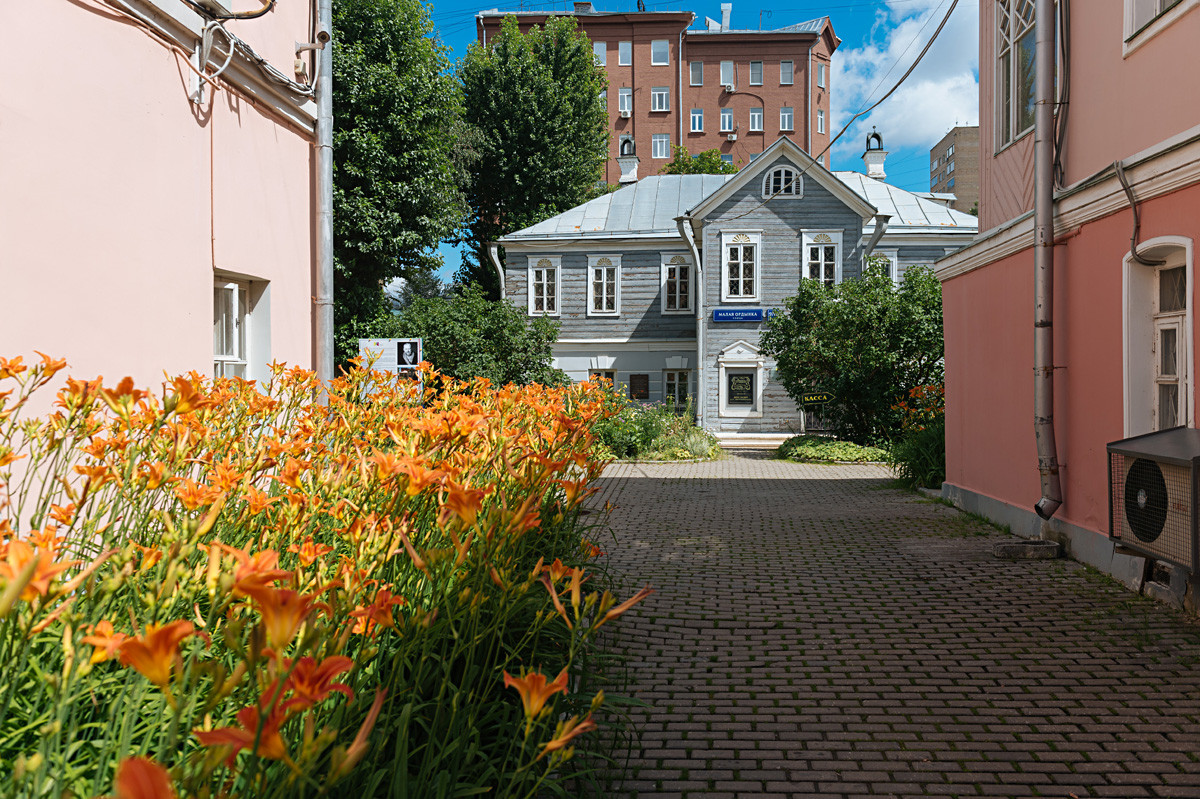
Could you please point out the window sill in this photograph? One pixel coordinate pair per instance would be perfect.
(725, 299)
(1135, 40)
(535, 314)
(603, 314)
(681, 312)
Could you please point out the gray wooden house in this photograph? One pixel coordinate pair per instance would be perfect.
(663, 285)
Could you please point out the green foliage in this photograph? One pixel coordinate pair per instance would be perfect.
(654, 432)
(863, 340)
(706, 163)
(919, 454)
(467, 335)
(819, 449)
(396, 188)
(539, 132)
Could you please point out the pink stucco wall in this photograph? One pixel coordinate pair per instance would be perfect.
(121, 198)
(990, 448)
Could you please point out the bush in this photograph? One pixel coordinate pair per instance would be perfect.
(650, 432)
(919, 454)
(819, 449)
(866, 342)
(247, 594)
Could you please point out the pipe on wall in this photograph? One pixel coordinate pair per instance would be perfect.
(881, 223)
(684, 225)
(323, 357)
(1043, 262)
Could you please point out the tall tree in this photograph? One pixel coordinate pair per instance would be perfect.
(541, 132)
(706, 163)
(396, 185)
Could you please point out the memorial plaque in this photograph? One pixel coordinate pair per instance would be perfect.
(741, 389)
(639, 387)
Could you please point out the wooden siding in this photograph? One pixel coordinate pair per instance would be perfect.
(918, 256)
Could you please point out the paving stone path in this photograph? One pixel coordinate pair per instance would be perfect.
(815, 633)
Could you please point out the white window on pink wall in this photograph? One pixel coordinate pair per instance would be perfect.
(231, 328)
(1015, 64)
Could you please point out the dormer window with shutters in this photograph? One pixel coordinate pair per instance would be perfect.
(782, 182)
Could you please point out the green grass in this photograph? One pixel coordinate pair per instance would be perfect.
(818, 449)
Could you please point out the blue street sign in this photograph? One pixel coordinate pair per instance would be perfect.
(741, 314)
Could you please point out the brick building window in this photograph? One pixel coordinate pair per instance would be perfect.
(660, 98)
(785, 73)
(697, 120)
(660, 52)
(756, 119)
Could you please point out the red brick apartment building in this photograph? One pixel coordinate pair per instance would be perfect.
(735, 91)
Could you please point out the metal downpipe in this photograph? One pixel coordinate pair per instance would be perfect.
(323, 312)
(1043, 262)
(684, 225)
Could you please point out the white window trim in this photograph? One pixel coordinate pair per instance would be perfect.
(758, 82)
(1134, 39)
(821, 71)
(655, 137)
(820, 120)
(600, 53)
(625, 99)
(696, 115)
(791, 112)
(665, 63)
(732, 74)
(692, 75)
(687, 388)
(1137, 322)
(593, 261)
(665, 262)
(807, 240)
(754, 129)
(244, 325)
(893, 257)
(1008, 112)
(726, 114)
(740, 356)
(660, 99)
(791, 78)
(625, 59)
(556, 265)
(727, 237)
(797, 182)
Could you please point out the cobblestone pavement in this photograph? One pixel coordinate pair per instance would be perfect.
(815, 633)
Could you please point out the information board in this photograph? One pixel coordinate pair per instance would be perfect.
(741, 390)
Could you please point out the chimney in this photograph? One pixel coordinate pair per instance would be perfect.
(875, 155)
(584, 7)
(627, 162)
(726, 12)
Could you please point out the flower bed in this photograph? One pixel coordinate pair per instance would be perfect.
(228, 592)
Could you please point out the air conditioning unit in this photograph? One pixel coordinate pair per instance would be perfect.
(731, 137)
(728, 87)
(626, 113)
(1153, 484)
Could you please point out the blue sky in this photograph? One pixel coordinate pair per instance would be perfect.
(880, 39)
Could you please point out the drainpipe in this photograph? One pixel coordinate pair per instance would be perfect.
(680, 108)
(808, 78)
(493, 251)
(323, 357)
(683, 224)
(881, 223)
(1043, 262)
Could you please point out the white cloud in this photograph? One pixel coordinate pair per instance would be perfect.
(941, 92)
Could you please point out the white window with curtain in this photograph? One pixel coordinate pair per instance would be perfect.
(660, 52)
(740, 265)
(604, 285)
(727, 73)
(756, 119)
(1015, 63)
(786, 73)
(823, 255)
(785, 118)
(660, 145)
(756, 73)
(697, 120)
(676, 284)
(600, 51)
(696, 73)
(231, 328)
(544, 285)
(660, 98)
(726, 120)
(624, 54)
(625, 100)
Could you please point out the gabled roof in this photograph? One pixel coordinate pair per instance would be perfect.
(811, 169)
(645, 208)
(910, 212)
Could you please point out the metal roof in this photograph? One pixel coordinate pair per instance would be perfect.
(648, 207)
(809, 26)
(910, 211)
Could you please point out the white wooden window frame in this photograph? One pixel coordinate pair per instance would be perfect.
(756, 73)
(535, 265)
(731, 238)
(676, 386)
(600, 53)
(728, 74)
(625, 99)
(816, 238)
(660, 145)
(660, 52)
(660, 98)
(726, 120)
(624, 54)
(697, 120)
(1014, 21)
(787, 118)
(893, 257)
(741, 357)
(1141, 326)
(604, 262)
(604, 98)
(233, 361)
(696, 73)
(756, 119)
(787, 73)
(820, 120)
(774, 180)
(820, 76)
(684, 300)
(1164, 17)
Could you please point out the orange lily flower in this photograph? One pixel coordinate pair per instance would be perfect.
(283, 612)
(154, 653)
(311, 683)
(142, 778)
(51, 366)
(557, 570)
(464, 503)
(270, 742)
(11, 368)
(566, 731)
(17, 555)
(575, 490)
(63, 515)
(186, 398)
(420, 478)
(534, 690)
(122, 399)
(257, 500)
(104, 640)
(378, 612)
(194, 495)
(254, 571)
(558, 605)
(309, 551)
(624, 606)
(344, 761)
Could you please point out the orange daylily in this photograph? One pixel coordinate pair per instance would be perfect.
(420, 478)
(557, 570)
(154, 653)
(311, 682)
(283, 611)
(558, 605)
(254, 571)
(51, 366)
(344, 760)
(258, 500)
(565, 731)
(534, 690)
(195, 495)
(18, 555)
(11, 368)
(462, 502)
(142, 778)
(105, 640)
(122, 399)
(575, 490)
(378, 612)
(624, 606)
(270, 742)
(186, 398)
(309, 551)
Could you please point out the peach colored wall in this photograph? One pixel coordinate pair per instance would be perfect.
(990, 445)
(110, 223)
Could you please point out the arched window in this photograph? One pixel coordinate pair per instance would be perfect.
(783, 182)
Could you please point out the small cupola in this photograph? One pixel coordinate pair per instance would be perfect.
(875, 155)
